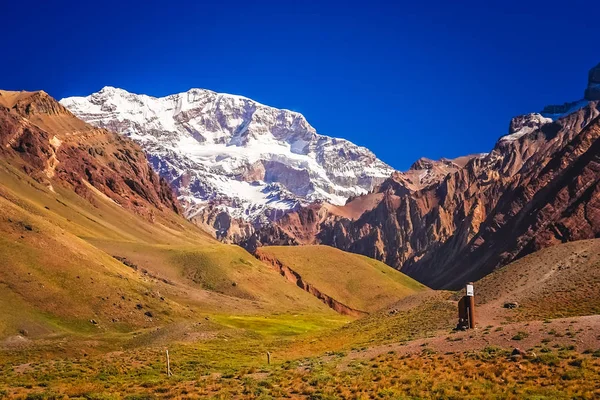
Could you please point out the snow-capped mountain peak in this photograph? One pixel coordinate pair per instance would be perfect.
(248, 158)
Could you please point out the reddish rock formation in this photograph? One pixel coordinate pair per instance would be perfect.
(537, 187)
(54, 147)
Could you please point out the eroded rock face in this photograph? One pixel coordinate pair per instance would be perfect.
(54, 147)
(548, 196)
(539, 186)
(524, 124)
(222, 225)
(425, 172)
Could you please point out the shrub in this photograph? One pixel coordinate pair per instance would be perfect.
(576, 363)
(520, 335)
(550, 359)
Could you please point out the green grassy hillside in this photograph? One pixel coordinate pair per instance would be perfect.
(68, 266)
(357, 281)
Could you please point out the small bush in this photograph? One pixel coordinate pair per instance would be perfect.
(550, 359)
(520, 335)
(576, 363)
(140, 397)
(572, 374)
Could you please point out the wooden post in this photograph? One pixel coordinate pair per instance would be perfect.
(169, 373)
(471, 304)
(462, 313)
(268, 358)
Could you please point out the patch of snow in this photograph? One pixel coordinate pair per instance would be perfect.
(532, 122)
(575, 107)
(234, 151)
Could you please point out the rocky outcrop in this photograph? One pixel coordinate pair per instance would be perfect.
(425, 172)
(222, 225)
(54, 147)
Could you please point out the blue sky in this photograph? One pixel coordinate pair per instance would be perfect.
(404, 79)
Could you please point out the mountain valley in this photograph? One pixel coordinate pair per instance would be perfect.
(110, 256)
(441, 222)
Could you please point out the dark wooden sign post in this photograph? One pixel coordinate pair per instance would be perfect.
(466, 308)
(470, 304)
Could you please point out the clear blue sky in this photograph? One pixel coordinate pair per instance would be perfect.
(410, 79)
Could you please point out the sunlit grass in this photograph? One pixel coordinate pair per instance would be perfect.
(354, 280)
(218, 372)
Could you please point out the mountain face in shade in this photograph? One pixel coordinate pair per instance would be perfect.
(447, 222)
(229, 157)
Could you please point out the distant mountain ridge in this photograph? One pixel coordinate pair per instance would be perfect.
(442, 222)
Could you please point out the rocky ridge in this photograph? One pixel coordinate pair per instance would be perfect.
(54, 147)
(539, 186)
(592, 92)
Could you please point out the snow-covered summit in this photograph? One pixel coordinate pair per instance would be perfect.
(524, 124)
(246, 157)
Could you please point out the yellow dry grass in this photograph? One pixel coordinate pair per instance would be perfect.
(357, 281)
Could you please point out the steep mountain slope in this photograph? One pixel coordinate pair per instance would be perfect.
(537, 187)
(553, 198)
(231, 157)
(91, 241)
(51, 143)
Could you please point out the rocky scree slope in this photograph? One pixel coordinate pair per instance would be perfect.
(233, 162)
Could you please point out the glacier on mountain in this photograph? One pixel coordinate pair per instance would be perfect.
(247, 158)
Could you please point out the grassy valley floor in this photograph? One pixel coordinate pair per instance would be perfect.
(406, 352)
(562, 362)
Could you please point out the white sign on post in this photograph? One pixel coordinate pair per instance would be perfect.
(470, 291)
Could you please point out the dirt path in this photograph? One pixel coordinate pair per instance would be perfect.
(581, 332)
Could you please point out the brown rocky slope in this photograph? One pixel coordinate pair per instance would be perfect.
(54, 147)
(536, 188)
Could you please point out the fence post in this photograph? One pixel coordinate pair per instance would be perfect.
(169, 373)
